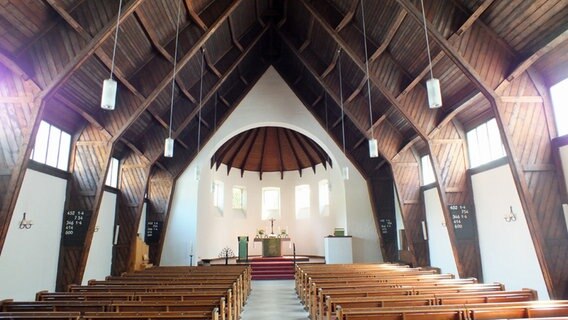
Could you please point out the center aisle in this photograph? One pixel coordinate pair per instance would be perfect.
(273, 299)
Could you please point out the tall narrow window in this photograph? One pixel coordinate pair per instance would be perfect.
(239, 198)
(52, 146)
(270, 203)
(218, 194)
(559, 94)
(427, 170)
(112, 174)
(303, 201)
(323, 189)
(484, 144)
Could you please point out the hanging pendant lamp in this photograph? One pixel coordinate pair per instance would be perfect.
(169, 143)
(432, 85)
(110, 87)
(373, 145)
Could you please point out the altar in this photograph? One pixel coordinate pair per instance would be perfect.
(271, 246)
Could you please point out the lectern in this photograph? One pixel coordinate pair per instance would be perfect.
(243, 248)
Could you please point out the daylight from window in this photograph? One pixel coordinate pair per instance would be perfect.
(239, 198)
(559, 94)
(484, 144)
(427, 170)
(302, 201)
(270, 203)
(218, 194)
(52, 146)
(323, 197)
(112, 174)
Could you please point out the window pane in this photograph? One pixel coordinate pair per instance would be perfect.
(324, 197)
(302, 201)
(559, 95)
(53, 146)
(112, 174)
(270, 203)
(64, 151)
(218, 194)
(238, 198)
(484, 144)
(40, 147)
(427, 170)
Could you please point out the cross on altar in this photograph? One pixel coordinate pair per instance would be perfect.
(272, 225)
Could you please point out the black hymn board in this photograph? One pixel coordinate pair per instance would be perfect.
(75, 226)
(463, 222)
(153, 232)
(388, 231)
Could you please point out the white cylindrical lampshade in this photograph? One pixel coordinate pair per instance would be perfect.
(345, 173)
(108, 97)
(434, 93)
(373, 148)
(169, 148)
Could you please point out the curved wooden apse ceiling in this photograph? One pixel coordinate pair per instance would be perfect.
(270, 149)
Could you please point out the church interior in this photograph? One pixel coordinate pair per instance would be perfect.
(419, 141)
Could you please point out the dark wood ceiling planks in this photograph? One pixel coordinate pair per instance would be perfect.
(490, 55)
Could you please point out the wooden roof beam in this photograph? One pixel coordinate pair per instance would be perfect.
(210, 64)
(249, 149)
(240, 146)
(309, 34)
(10, 62)
(154, 40)
(220, 82)
(182, 62)
(264, 139)
(393, 28)
(361, 65)
(313, 161)
(194, 16)
(234, 36)
(294, 152)
(92, 47)
(280, 155)
(331, 66)
(348, 16)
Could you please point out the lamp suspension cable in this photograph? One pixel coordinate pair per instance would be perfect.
(169, 144)
(373, 146)
(432, 85)
(200, 101)
(345, 170)
(197, 169)
(110, 87)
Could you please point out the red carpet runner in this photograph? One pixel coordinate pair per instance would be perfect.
(277, 268)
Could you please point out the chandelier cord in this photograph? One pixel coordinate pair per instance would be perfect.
(115, 38)
(175, 70)
(200, 102)
(341, 101)
(427, 41)
(367, 70)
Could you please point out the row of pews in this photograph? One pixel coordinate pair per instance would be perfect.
(213, 292)
(395, 292)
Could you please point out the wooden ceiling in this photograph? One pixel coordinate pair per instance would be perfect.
(494, 58)
(70, 43)
(270, 149)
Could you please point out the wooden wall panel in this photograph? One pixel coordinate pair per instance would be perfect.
(448, 152)
(134, 176)
(89, 165)
(406, 174)
(382, 195)
(19, 120)
(526, 128)
(160, 192)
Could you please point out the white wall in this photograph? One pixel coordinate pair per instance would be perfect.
(193, 222)
(29, 260)
(507, 250)
(100, 254)
(441, 254)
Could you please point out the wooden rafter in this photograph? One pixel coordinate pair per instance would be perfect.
(313, 161)
(88, 50)
(294, 152)
(248, 151)
(241, 144)
(309, 33)
(393, 28)
(194, 16)
(280, 155)
(348, 16)
(182, 62)
(234, 36)
(263, 147)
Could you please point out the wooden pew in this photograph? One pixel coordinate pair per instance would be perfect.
(41, 315)
(428, 300)
(533, 309)
(194, 315)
